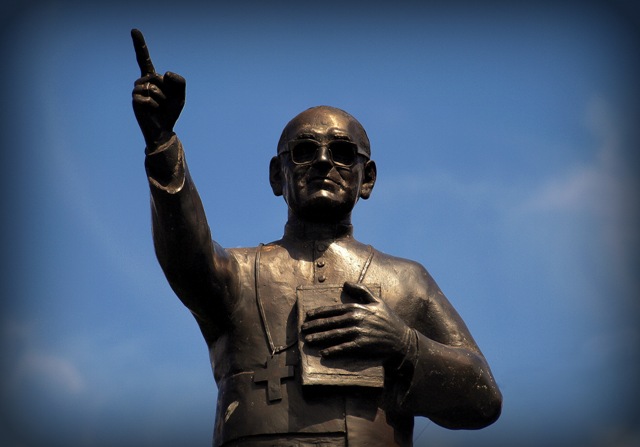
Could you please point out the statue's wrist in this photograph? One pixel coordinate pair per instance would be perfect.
(157, 142)
(406, 359)
(164, 164)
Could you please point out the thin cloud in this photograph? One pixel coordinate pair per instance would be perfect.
(603, 190)
(444, 184)
(30, 364)
(582, 189)
(52, 369)
(599, 187)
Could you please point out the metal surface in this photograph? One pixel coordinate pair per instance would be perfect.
(316, 297)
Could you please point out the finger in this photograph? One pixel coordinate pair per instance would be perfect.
(150, 90)
(145, 102)
(144, 79)
(361, 292)
(341, 349)
(175, 83)
(326, 311)
(175, 87)
(333, 336)
(332, 311)
(325, 324)
(142, 53)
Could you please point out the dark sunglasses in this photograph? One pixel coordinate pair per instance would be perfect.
(343, 153)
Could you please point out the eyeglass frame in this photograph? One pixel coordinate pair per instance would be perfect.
(358, 151)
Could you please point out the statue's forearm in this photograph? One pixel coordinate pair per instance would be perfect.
(194, 265)
(180, 226)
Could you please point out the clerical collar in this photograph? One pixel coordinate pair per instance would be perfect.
(315, 231)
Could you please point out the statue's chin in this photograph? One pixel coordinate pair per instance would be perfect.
(323, 209)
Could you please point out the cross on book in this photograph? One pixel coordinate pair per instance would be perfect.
(273, 374)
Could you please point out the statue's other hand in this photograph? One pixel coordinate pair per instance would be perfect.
(157, 100)
(370, 329)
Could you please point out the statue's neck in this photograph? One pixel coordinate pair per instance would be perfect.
(308, 230)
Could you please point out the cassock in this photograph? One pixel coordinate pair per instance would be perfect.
(248, 304)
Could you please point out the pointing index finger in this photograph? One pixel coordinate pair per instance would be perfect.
(142, 53)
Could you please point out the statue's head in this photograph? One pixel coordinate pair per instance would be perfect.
(323, 164)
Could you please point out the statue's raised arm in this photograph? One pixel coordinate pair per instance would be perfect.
(197, 268)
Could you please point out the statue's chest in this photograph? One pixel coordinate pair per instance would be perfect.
(281, 271)
(265, 316)
(269, 292)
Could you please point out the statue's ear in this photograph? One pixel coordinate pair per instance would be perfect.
(275, 176)
(368, 179)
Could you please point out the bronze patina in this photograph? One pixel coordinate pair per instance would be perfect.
(316, 338)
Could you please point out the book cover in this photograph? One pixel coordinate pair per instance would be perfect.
(316, 370)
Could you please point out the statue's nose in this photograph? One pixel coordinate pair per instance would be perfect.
(323, 156)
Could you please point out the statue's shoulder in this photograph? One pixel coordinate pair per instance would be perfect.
(405, 275)
(399, 264)
(242, 257)
(246, 255)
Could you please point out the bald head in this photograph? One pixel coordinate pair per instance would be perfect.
(325, 120)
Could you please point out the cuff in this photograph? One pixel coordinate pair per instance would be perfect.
(410, 339)
(408, 364)
(165, 166)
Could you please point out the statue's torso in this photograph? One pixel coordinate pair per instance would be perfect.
(244, 407)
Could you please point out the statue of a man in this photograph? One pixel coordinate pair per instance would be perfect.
(314, 339)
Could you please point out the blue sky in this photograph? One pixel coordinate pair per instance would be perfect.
(506, 141)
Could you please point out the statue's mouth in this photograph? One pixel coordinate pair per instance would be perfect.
(320, 179)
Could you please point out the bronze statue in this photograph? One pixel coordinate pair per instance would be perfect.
(314, 339)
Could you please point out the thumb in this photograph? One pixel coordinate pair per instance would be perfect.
(360, 291)
(175, 85)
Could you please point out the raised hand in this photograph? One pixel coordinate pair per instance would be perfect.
(369, 329)
(157, 100)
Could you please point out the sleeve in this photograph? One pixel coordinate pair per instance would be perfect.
(166, 167)
(444, 376)
(197, 268)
